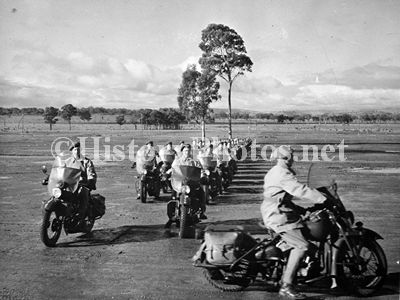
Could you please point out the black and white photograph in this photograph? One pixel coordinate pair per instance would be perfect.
(184, 149)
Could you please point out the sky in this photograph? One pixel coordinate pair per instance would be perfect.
(307, 55)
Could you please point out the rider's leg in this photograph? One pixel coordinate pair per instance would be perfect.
(300, 245)
(83, 197)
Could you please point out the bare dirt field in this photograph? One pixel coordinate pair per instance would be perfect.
(130, 256)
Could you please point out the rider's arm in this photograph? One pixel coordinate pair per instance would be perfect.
(290, 184)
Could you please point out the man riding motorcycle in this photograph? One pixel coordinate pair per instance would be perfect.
(167, 155)
(186, 160)
(88, 177)
(147, 153)
(283, 216)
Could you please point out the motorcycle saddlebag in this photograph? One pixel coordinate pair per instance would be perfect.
(99, 205)
(225, 246)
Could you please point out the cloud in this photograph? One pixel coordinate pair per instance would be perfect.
(39, 78)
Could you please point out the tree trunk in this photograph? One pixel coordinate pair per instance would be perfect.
(203, 130)
(51, 126)
(69, 125)
(230, 111)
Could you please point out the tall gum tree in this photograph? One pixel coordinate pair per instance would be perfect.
(224, 54)
(195, 95)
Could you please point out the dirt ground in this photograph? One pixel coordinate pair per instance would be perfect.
(129, 255)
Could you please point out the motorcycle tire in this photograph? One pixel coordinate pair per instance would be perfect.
(350, 278)
(51, 221)
(165, 187)
(206, 189)
(183, 222)
(216, 278)
(89, 223)
(143, 192)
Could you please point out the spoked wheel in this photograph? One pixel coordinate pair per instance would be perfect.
(50, 229)
(365, 273)
(143, 192)
(216, 277)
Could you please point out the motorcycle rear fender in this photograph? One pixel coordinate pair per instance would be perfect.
(54, 204)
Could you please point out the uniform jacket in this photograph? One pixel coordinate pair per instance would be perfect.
(87, 168)
(280, 186)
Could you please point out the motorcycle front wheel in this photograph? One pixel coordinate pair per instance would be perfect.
(51, 227)
(365, 273)
(143, 192)
(216, 277)
(183, 222)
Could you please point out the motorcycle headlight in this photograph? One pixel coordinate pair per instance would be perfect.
(207, 172)
(145, 172)
(185, 189)
(57, 192)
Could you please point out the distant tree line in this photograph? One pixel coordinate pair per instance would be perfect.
(172, 118)
(344, 118)
(163, 118)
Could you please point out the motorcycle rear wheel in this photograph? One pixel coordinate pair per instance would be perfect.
(216, 278)
(51, 227)
(374, 268)
(143, 192)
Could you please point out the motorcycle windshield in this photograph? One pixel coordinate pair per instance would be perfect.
(167, 155)
(207, 162)
(320, 175)
(181, 173)
(65, 170)
(145, 159)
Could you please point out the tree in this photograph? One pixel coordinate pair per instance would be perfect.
(49, 115)
(84, 114)
(120, 119)
(196, 93)
(224, 54)
(67, 112)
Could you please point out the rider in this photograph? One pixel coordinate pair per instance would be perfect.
(178, 148)
(147, 153)
(186, 160)
(283, 216)
(88, 178)
(166, 165)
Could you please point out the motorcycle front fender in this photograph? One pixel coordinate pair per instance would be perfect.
(185, 199)
(54, 204)
(368, 233)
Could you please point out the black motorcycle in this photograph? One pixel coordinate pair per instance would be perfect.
(225, 175)
(148, 181)
(63, 206)
(209, 177)
(343, 251)
(185, 211)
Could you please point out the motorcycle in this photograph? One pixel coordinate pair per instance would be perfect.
(225, 176)
(209, 177)
(148, 180)
(165, 165)
(186, 210)
(345, 252)
(61, 210)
